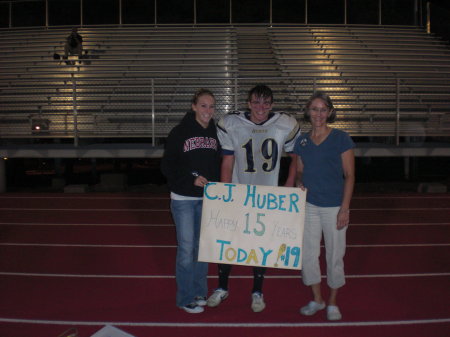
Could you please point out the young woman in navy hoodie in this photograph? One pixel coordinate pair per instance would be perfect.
(191, 159)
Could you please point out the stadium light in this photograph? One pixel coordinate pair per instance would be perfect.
(39, 125)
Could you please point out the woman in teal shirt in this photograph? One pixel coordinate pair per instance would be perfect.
(326, 169)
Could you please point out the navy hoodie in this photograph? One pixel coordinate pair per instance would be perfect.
(190, 150)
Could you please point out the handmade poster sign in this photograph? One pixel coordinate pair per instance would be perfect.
(252, 225)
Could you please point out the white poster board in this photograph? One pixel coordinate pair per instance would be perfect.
(252, 225)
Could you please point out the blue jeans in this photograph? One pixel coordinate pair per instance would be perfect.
(191, 275)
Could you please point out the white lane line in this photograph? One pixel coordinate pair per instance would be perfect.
(387, 196)
(63, 245)
(401, 209)
(227, 325)
(89, 276)
(400, 245)
(212, 276)
(100, 209)
(84, 245)
(82, 224)
(71, 197)
(172, 225)
(167, 197)
(168, 210)
(405, 224)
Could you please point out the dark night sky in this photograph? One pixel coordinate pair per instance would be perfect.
(95, 12)
(209, 11)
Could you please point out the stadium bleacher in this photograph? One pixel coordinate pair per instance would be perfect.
(136, 82)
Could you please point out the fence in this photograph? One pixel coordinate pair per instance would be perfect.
(148, 108)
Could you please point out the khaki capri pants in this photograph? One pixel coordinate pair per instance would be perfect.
(320, 220)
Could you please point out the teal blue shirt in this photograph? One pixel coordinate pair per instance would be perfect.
(323, 174)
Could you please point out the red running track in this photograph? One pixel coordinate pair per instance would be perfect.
(84, 261)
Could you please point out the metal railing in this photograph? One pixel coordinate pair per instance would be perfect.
(393, 107)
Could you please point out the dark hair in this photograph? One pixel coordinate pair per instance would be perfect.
(324, 97)
(260, 90)
(201, 92)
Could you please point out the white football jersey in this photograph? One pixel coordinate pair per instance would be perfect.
(257, 148)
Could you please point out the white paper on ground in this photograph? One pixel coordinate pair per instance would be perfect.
(110, 331)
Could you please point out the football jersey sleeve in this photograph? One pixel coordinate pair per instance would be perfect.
(224, 136)
(294, 134)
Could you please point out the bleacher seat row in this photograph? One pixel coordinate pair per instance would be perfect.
(138, 81)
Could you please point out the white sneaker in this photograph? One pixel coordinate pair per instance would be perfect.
(217, 297)
(200, 301)
(333, 313)
(311, 308)
(193, 308)
(258, 304)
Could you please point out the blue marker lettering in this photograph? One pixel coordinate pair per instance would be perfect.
(272, 201)
(265, 255)
(294, 199)
(242, 255)
(206, 191)
(230, 193)
(250, 194)
(281, 197)
(222, 244)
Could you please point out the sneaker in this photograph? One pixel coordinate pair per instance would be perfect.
(333, 313)
(217, 297)
(200, 301)
(193, 308)
(258, 304)
(312, 308)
